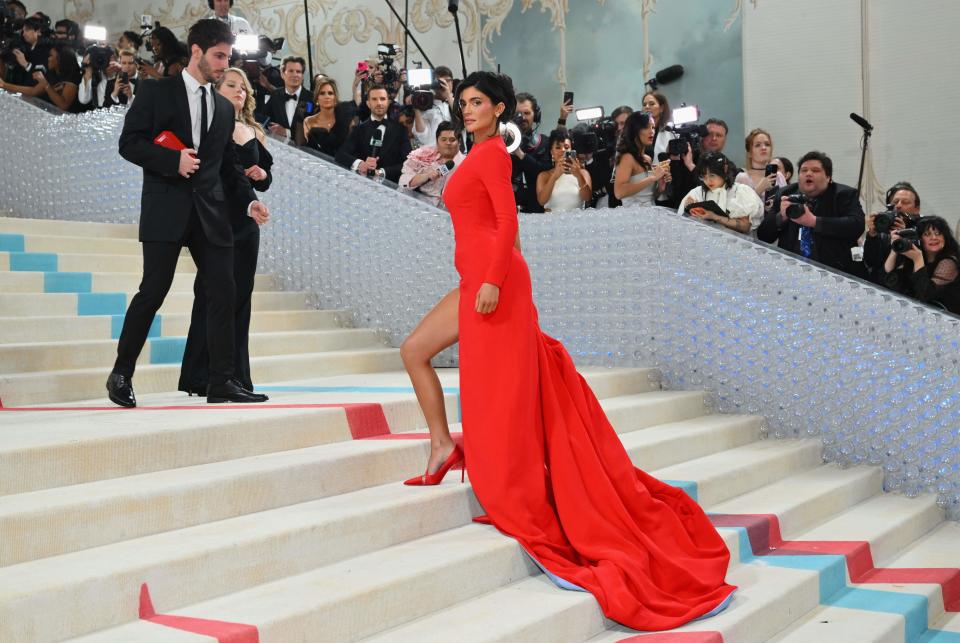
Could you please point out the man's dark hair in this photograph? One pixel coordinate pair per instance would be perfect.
(33, 23)
(720, 122)
(73, 29)
(497, 87)
(444, 71)
(530, 98)
(902, 185)
(818, 156)
(134, 38)
(445, 126)
(374, 86)
(19, 4)
(209, 33)
(293, 59)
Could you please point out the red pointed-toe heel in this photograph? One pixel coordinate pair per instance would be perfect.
(430, 479)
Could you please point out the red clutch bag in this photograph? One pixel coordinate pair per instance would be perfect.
(169, 140)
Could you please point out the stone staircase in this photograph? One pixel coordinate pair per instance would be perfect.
(287, 521)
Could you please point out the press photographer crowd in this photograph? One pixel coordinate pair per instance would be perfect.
(397, 125)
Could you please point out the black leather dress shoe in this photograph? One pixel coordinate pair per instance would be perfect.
(231, 391)
(120, 390)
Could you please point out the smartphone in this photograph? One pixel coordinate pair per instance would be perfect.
(568, 98)
(363, 67)
(124, 77)
(569, 154)
(771, 169)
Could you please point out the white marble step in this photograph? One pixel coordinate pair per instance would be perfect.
(29, 304)
(18, 225)
(34, 524)
(36, 282)
(54, 356)
(46, 387)
(92, 262)
(14, 330)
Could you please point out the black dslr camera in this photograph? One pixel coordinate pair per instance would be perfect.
(797, 201)
(909, 238)
(10, 38)
(689, 132)
(883, 222)
(387, 52)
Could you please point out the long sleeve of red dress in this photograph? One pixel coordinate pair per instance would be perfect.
(496, 180)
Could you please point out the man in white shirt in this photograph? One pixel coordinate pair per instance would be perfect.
(426, 122)
(221, 11)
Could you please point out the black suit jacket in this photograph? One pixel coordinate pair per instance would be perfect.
(168, 198)
(839, 225)
(121, 98)
(276, 109)
(395, 149)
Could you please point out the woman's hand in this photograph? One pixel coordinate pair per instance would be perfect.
(766, 183)
(255, 172)
(702, 214)
(487, 298)
(42, 83)
(660, 171)
(573, 165)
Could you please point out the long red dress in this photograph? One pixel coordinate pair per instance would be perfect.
(544, 461)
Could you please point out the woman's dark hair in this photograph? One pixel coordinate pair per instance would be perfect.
(167, 41)
(135, 38)
(950, 246)
(719, 165)
(445, 126)
(497, 87)
(636, 123)
(68, 69)
(623, 109)
(664, 108)
(558, 136)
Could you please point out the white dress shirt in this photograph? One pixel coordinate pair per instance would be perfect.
(193, 99)
(85, 92)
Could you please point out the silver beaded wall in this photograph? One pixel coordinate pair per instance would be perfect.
(874, 376)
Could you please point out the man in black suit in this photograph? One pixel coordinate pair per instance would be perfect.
(119, 92)
(360, 151)
(286, 106)
(183, 204)
(831, 221)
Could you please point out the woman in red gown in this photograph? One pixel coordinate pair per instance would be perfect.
(545, 463)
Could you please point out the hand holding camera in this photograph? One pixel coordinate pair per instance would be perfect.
(797, 208)
(906, 242)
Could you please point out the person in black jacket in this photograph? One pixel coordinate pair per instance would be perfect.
(929, 272)
(831, 223)
(257, 162)
(184, 204)
(904, 200)
(287, 106)
(360, 154)
(326, 129)
(532, 157)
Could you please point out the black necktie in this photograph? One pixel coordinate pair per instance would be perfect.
(203, 113)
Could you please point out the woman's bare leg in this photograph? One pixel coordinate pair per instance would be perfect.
(437, 331)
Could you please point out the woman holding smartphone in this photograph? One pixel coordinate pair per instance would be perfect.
(762, 174)
(567, 186)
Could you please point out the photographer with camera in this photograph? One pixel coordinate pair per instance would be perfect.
(221, 11)
(428, 168)
(924, 263)
(99, 67)
(170, 56)
(737, 208)
(817, 218)
(568, 185)
(58, 84)
(903, 212)
(428, 117)
(27, 53)
(286, 107)
(377, 147)
(121, 89)
(637, 179)
(533, 155)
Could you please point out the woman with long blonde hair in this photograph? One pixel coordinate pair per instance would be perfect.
(250, 143)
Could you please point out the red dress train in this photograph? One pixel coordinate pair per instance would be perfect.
(544, 461)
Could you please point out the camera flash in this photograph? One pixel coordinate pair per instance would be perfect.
(247, 42)
(94, 33)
